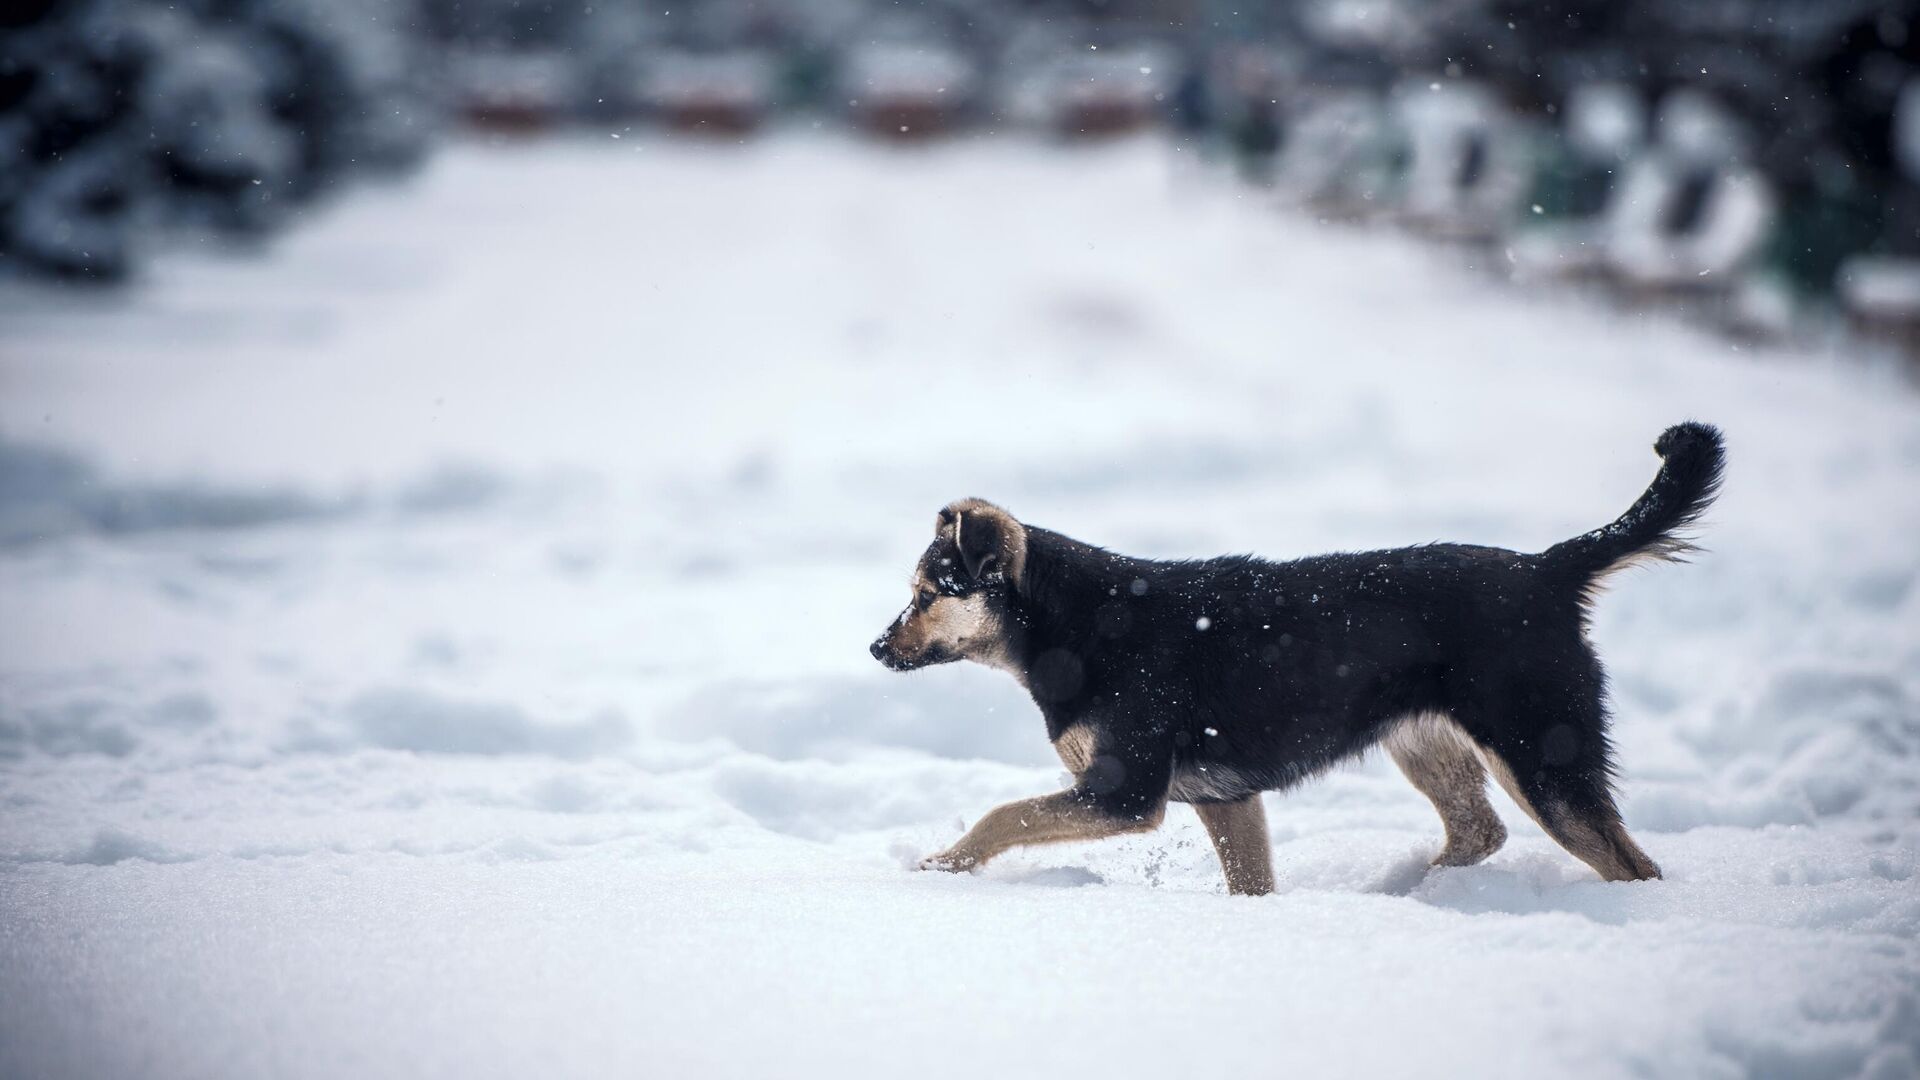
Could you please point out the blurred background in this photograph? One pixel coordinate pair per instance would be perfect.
(1756, 158)
(455, 453)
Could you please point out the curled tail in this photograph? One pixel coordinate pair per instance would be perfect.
(1655, 527)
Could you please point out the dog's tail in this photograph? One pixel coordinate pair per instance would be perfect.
(1654, 529)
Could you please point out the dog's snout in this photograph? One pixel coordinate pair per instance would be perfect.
(879, 649)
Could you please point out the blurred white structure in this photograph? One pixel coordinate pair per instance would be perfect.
(728, 93)
(1686, 212)
(1093, 92)
(1470, 163)
(1677, 227)
(512, 91)
(1605, 121)
(899, 90)
(1881, 288)
(1340, 154)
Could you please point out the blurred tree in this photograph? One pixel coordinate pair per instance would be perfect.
(120, 116)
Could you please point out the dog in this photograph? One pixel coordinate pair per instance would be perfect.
(1210, 681)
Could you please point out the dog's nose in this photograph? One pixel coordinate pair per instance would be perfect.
(879, 649)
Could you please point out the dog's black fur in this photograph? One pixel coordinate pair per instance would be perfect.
(1211, 680)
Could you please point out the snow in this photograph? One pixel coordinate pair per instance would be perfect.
(439, 648)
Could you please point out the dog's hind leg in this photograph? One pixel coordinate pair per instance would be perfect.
(1560, 772)
(1239, 834)
(1443, 765)
(1581, 819)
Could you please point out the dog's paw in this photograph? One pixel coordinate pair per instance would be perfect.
(952, 862)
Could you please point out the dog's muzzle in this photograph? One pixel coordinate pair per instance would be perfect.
(882, 650)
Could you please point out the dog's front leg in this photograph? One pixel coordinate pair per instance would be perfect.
(1239, 832)
(1049, 819)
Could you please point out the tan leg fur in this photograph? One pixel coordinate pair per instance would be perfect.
(1239, 833)
(1049, 819)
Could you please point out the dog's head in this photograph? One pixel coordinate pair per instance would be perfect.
(962, 589)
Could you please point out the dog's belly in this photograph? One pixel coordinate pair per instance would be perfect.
(1212, 782)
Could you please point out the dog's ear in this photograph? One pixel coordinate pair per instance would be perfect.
(991, 542)
(980, 546)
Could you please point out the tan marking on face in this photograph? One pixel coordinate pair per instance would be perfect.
(961, 626)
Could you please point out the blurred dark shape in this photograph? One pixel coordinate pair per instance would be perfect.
(1193, 108)
(450, 488)
(19, 13)
(47, 493)
(74, 217)
(1256, 136)
(119, 118)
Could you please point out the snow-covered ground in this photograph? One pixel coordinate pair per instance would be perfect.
(438, 648)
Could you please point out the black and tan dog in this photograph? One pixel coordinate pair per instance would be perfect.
(1211, 681)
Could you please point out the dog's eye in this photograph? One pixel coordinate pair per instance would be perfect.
(924, 599)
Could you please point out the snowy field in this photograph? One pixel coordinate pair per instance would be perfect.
(438, 648)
